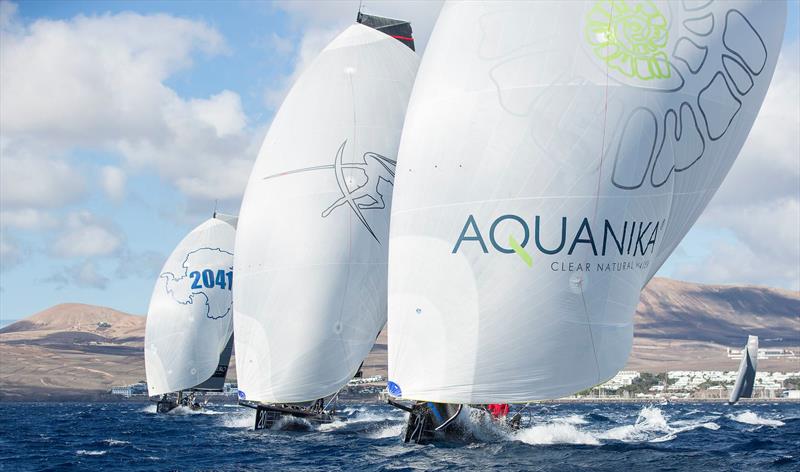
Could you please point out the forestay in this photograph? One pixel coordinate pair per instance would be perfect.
(311, 247)
(554, 154)
(190, 318)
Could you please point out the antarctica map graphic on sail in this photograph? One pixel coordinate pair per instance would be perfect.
(204, 270)
(357, 193)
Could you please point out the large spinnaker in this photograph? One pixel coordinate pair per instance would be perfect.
(545, 154)
(311, 247)
(190, 318)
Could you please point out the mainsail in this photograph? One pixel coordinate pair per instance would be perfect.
(553, 155)
(188, 337)
(311, 247)
(746, 378)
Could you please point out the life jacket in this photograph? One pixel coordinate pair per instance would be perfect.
(498, 409)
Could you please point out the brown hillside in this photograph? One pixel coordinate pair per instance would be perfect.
(73, 348)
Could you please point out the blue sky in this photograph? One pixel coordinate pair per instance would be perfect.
(104, 170)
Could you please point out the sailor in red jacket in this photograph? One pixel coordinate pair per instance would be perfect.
(498, 410)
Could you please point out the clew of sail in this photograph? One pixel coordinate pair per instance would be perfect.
(746, 378)
(553, 155)
(190, 319)
(311, 245)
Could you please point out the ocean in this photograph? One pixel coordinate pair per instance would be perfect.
(563, 437)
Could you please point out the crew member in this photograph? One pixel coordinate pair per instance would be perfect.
(498, 410)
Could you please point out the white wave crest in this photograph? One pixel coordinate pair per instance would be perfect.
(185, 410)
(748, 417)
(555, 433)
(244, 418)
(652, 426)
(571, 419)
(359, 416)
(83, 452)
(332, 426)
(291, 422)
(115, 442)
(387, 432)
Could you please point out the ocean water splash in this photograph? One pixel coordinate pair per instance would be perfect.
(650, 425)
(391, 431)
(185, 410)
(128, 436)
(571, 419)
(748, 417)
(241, 418)
(555, 433)
(356, 416)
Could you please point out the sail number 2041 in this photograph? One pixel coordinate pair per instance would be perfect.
(210, 279)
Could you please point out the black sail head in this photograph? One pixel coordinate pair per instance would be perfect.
(398, 29)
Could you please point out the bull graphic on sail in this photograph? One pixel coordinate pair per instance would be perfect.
(366, 196)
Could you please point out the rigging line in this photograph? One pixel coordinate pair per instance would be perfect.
(349, 222)
(597, 194)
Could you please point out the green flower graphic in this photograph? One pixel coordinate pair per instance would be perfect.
(629, 37)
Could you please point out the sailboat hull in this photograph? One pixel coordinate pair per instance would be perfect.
(166, 405)
(281, 416)
(431, 422)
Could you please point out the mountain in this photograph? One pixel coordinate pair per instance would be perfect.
(686, 326)
(78, 317)
(70, 350)
(79, 351)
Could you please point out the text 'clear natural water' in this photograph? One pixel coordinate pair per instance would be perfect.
(566, 436)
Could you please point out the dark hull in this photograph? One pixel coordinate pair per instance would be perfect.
(165, 406)
(268, 416)
(430, 422)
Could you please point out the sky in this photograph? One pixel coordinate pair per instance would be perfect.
(124, 124)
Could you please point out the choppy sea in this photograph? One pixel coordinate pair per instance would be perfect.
(562, 437)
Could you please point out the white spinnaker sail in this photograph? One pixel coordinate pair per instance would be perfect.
(312, 240)
(538, 187)
(190, 318)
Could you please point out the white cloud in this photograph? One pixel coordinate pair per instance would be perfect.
(113, 182)
(98, 76)
(223, 112)
(27, 219)
(86, 236)
(145, 264)
(28, 180)
(99, 83)
(84, 275)
(759, 202)
(10, 252)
